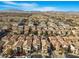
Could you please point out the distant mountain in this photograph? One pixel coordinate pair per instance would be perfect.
(22, 11)
(12, 11)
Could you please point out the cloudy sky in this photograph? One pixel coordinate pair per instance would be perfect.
(40, 5)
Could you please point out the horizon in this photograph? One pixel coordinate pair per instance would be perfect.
(64, 6)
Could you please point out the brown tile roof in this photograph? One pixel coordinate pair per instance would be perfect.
(29, 41)
(25, 43)
(36, 41)
(21, 37)
(60, 39)
(45, 43)
(14, 37)
(18, 43)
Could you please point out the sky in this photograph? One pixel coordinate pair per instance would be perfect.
(40, 5)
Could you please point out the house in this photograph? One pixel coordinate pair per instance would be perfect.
(63, 41)
(45, 45)
(15, 28)
(52, 40)
(33, 29)
(18, 43)
(29, 43)
(5, 27)
(60, 39)
(25, 46)
(14, 38)
(26, 29)
(6, 44)
(21, 37)
(5, 38)
(72, 47)
(66, 42)
(36, 42)
(20, 29)
(39, 31)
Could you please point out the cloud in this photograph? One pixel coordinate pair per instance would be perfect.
(28, 6)
(9, 2)
(46, 8)
(21, 4)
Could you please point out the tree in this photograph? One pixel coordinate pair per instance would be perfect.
(69, 49)
(30, 30)
(49, 51)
